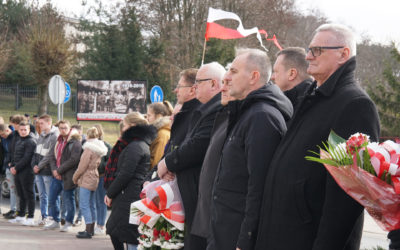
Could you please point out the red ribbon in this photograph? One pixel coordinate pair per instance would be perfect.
(168, 213)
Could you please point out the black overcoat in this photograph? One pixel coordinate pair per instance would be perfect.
(201, 221)
(132, 168)
(187, 159)
(303, 207)
(256, 126)
(297, 92)
(183, 121)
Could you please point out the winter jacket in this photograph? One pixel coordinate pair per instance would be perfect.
(6, 144)
(298, 92)
(22, 154)
(303, 208)
(255, 128)
(132, 168)
(183, 122)
(104, 159)
(163, 126)
(187, 159)
(201, 221)
(11, 146)
(87, 175)
(70, 157)
(42, 157)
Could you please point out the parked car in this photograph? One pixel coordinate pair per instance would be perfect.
(5, 186)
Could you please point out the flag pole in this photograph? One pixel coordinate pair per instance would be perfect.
(204, 51)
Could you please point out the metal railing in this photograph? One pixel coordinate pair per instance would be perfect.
(15, 98)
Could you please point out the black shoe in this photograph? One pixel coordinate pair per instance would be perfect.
(85, 232)
(62, 222)
(84, 235)
(10, 215)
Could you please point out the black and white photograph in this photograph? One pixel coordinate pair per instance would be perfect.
(110, 100)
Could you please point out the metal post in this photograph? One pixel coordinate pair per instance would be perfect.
(58, 111)
(62, 111)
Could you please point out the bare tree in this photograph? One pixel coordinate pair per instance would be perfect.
(180, 25)
(50, 50)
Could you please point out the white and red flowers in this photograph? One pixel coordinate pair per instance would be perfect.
(367, 171)
(160, 216)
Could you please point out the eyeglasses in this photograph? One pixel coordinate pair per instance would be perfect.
(316, 51)
(198, 81)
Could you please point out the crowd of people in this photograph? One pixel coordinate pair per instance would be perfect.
(53, 162)
(236, 143)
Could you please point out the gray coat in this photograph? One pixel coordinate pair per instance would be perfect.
(42, 155)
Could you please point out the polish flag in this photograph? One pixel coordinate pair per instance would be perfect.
(215, 30)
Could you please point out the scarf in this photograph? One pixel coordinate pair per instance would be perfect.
(59, 149)
(111, 167)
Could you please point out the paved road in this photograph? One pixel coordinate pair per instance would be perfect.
(373, 235)
(18, 237)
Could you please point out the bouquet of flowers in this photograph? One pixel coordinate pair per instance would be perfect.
(367, 171)
(160, 216)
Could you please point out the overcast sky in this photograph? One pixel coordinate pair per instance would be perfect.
(378, 20)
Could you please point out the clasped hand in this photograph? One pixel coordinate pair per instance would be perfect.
(163, 171)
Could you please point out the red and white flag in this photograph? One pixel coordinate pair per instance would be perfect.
(215, 30)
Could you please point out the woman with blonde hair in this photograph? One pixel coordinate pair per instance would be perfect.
(87, 178)
(125, 173)
(158, 114)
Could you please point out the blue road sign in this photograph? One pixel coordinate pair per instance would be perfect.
(156, 94)
(67, 92)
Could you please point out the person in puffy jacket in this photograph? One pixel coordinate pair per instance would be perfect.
(125, 174)
(21, 168)
(87, 178)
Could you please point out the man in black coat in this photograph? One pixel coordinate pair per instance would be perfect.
(201, 221)
(256, 124)
(303, 207)
(290, 73)
(186, 96)
(24, 177)
(184, 119)
(187, 159)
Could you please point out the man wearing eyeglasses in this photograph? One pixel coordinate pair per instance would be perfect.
(303, 207)
(186, 161)
(201, 220)
(184, 120)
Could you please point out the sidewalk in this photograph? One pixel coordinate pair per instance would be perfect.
(19, 237)
(373, 235)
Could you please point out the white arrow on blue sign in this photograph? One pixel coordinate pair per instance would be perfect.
(156, 94)
(67, 92)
